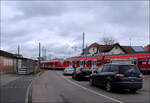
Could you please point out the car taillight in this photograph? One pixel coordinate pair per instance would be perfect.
(119, 75)
(66, 70)
(141, 75)
(79, 72)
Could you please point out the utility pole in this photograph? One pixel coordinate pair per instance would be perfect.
(42, 52)
(83, 43)
(39, 55)
(45, 54)
(130, 41)
(18, 50)
(149, 38)
(0, 41)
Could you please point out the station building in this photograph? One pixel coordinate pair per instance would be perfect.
(7, 62)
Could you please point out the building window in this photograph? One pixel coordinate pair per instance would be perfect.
(8, 61)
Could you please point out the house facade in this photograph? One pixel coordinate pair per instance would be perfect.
(96, 49)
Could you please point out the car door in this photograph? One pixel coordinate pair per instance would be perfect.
(96, 75)
(103, 75)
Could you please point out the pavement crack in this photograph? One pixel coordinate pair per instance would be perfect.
(65, 100)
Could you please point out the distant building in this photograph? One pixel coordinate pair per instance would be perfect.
(147, 48)
(96, 49)
(7, 62)
(12, 63)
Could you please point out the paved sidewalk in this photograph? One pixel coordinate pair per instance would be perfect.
(6, 78)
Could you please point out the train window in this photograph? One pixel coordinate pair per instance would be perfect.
(148, 61)
(142, 61)
(89, 62)
(99, 62)
(84, 62)
(106, 61)
(94, 62)
(81, 62)
(67, 62)
(77, 62)
(73, 63)
(70, 63)
(56, 63)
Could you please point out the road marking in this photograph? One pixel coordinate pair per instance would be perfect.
(92, 91)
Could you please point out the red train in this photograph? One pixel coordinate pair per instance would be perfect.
(142, 60)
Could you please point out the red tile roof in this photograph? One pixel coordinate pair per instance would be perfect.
(147, 48)
(94, 45)
(107, 48)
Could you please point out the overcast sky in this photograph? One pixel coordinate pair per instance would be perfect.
(59, 25)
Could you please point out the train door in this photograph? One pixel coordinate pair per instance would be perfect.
(94, 63)
(51, 65)
(84, 64)
(77, 63)
(73, 64)
(142, 63)
(81, 63)
(98, 62)
(89, 64)
(67, 64)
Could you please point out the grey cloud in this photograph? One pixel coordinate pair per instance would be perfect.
(40, 8)
(59, 25)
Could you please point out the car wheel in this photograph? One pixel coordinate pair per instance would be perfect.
(91, 82)
(108, 86)
(77, 77)
(133, 90)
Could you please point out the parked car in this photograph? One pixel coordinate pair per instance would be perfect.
(122, 76)
(80, 73)
(68, 71)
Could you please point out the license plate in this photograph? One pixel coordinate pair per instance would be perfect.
(87, 76)
(132, 80)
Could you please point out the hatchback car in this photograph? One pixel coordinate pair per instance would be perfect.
(122, 76)
(80, 73)
(68, 71)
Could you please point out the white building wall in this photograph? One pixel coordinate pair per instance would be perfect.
(115, 50)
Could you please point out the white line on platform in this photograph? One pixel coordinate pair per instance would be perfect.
(91, 90)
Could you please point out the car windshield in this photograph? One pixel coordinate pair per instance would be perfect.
(124, 69)
(85, 68)
(99, 69)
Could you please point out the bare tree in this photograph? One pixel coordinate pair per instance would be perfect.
(108, 40)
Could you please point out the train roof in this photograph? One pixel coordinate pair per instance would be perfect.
(137, 53)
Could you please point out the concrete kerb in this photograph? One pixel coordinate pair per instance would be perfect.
(28, 97)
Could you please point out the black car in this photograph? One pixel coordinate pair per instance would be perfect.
(122, 76)
(80, 73)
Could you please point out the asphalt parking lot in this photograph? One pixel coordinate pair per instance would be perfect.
(53, 87)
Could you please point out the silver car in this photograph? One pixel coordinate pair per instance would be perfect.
(68, 71)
